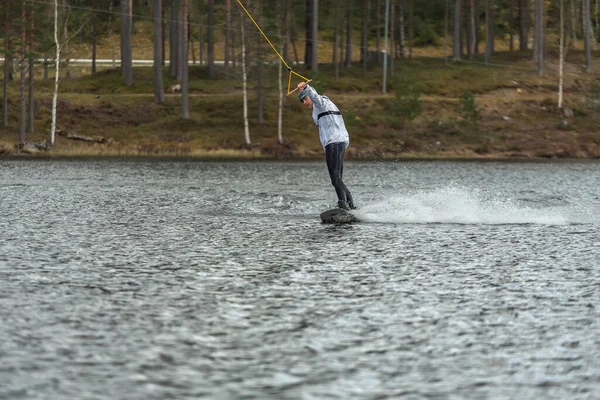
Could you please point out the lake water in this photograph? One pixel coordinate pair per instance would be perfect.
(136, 279)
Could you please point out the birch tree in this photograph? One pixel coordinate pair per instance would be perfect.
(245, 85)
(56, 75)
(159, 92)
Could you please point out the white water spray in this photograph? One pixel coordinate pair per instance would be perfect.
(455, 205)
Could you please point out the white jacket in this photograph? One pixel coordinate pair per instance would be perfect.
(328, 118)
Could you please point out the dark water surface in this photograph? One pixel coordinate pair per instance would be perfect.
(187, 280)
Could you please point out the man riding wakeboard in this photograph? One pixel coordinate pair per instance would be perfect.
(334, 139)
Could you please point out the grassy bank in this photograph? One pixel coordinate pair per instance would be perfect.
(518, 114)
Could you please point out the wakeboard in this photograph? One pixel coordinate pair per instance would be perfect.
(338, 216)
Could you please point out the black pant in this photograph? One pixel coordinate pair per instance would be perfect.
(334, 155)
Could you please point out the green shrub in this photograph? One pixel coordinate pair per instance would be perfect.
(408, 97)
(469, 111)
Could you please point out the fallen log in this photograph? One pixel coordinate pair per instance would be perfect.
(83, 138)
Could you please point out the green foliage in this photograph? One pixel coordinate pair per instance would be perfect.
(352, 120)
(593, 99)
(408, 96)
(425, 34)
(468, 110)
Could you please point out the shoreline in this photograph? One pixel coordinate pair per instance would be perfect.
(291, 160)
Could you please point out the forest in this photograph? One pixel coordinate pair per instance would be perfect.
(413, 78)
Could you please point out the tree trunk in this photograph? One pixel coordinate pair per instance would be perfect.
(539, 36)
(45, 68)
(377, 30)
(597, 19)
(260, 71)
(185, 101)
(159, 92)
(411, 31)
(335, 34)
(392, 37)
(308, 37)
(561, 57)
(523, 25)
(489, 42)
(446, 33)
(126, 43)
(23, 105)
(94, 48)
(315, 32)
(56, 75)
(173, 38)
(349, 35)
(574, 19)
(283, 22)
(402, 30)
(245, 86)
(110, 33)
(227, 36)
(191, 45)
(511, 33)
(587, 26)
(93, 23)
(67, 7)
(342, 40)
(211, 41)
(201, 39)
(469, 29)
(286, 29)
(163, 26)
(179, 32)
(7, 56)
(456, 56)
(385, 46)
(364, 38)
(31, 116)
(476, 24)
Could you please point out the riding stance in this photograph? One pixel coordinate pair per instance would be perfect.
(334, 138)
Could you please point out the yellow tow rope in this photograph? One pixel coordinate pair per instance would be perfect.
(276, 52)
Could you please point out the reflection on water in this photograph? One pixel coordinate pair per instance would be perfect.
(154, 280)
